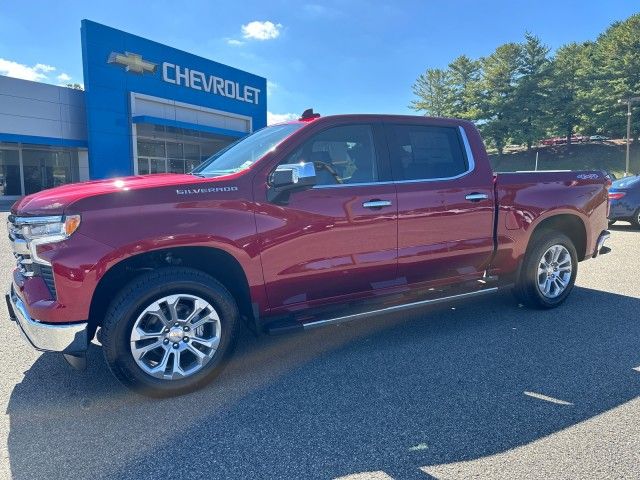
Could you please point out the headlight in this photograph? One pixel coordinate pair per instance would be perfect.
(36, 231)
(47, 229)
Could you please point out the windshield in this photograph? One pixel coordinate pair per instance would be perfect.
(625, 182)
(246, 151)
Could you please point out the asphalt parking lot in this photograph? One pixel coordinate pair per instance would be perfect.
(486, 389)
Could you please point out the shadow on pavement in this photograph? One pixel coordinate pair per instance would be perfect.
(390, 394)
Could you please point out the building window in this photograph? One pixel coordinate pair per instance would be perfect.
(26, 169)
(48, 168)
(176, 150)
(10, 183)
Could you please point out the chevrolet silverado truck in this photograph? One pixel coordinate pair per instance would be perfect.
(298, 225)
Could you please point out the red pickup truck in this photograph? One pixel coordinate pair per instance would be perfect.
(298, 225)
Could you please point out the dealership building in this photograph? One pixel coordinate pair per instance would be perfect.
(145, 108)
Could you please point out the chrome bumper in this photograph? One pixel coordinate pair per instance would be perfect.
(67, 338)
(600, 248)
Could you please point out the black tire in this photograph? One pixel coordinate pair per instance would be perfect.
(635, 221)
(612, 222)
(140, 293)
(526, 289)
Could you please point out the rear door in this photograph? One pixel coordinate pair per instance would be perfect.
(445, 203)
(337, 239)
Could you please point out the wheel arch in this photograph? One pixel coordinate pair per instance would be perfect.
(570, 224)
(216, 262)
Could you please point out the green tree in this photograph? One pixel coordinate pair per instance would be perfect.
(464, 83)
(433, 92)
(617, 75)
(531, 93)
(570, 80)
(497, 96)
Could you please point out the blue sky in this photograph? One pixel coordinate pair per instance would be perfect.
(338, 57)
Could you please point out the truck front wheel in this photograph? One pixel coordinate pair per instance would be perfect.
(548, 271)
(169, 331)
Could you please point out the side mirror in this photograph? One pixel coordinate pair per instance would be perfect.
(288, 177)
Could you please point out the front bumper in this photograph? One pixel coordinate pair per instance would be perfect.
(619, 210)
(46, 337)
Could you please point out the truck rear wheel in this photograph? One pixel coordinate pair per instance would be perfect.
(169, 331)
(548, 271)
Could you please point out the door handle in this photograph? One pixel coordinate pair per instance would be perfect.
(376, 204)
(476, 197)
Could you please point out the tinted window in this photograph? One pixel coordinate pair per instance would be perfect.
(341, 155)
(424, 152)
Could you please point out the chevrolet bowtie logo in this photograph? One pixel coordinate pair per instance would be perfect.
(132, 62)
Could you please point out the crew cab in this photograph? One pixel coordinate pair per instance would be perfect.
(298, 225)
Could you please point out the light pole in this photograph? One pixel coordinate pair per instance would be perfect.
(628, 101)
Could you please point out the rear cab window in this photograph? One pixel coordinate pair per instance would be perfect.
(426, 152)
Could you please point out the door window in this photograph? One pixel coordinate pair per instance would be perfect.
(341, 155)
(426, 152)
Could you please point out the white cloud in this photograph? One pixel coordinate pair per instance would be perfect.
(234, 43)
(280, 117)
(271, 87)
(63, 78)
(42, 67)
(37, 73)
(261, 30)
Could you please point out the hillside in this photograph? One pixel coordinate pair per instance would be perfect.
(609, 156)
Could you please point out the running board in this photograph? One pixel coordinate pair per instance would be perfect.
(396, 308)
(290, 325)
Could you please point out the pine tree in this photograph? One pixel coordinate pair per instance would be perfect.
(571, 75)
(616, 76)
(531, 95)
(497, 96)
(434, 93)
(464, 83)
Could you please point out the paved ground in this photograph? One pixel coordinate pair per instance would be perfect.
(485, 390)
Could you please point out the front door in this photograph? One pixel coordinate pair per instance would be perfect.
(445, 204)
(337, 239)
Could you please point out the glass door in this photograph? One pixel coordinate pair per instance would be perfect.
(47, 169)
(10, 184)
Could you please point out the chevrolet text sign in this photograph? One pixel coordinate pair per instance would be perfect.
(189, 92)
(183, 76)
(209, 83)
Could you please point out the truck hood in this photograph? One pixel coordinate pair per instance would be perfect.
(55, 200)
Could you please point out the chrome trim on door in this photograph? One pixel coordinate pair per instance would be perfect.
(476, 197)
(396, 308)
(471, 165)
(467, 148)
(376, 204)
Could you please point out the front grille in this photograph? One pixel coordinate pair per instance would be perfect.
(47, 275)
(25, 263)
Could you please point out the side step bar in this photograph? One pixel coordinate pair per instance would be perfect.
(395, 308)
(288, 326)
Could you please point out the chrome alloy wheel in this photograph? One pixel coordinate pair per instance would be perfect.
(554, 271)
(175, 336)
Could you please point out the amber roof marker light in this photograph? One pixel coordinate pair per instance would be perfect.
(308, 114)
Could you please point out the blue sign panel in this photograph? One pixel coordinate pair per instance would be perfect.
(117, 63)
